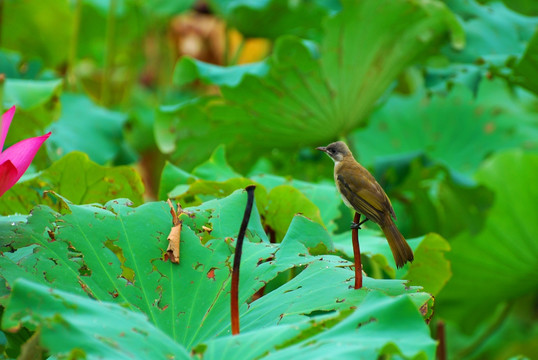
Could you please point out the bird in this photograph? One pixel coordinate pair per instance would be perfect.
(361, 192)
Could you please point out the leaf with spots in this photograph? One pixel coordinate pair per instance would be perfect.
(114, 253)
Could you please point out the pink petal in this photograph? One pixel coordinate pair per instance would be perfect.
(6, 121)
(21, 155)
(8, 176)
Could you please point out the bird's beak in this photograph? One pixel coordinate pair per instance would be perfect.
(322, 148)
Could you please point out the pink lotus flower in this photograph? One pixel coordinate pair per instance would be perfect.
(16, 159)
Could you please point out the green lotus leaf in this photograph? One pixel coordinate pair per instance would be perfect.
(504, 254)
(309, 96)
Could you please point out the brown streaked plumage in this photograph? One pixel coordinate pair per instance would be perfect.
(361, 192)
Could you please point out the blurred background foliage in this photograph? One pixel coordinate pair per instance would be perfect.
(194, 99)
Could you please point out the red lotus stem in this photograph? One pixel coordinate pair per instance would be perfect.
(234, 303)
(441, 348)
(357, 252)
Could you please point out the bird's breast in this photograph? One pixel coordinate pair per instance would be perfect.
(348, 204)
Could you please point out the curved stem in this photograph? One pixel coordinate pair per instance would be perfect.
(73, 45)
(234, 302)
(357, 252)
(109, 53)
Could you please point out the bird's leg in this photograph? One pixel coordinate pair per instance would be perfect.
(357, 225)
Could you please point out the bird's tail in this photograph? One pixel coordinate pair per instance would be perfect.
(400, 248)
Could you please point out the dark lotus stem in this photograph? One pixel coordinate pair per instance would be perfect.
(441, 338)
(357, 252)
(237, 260)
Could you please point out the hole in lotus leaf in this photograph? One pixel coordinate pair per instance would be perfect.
(370, 320)
(140, 331)
(320, 312)
(126, 272)
(211, 273)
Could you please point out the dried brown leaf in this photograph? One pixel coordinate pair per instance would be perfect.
(174, 237)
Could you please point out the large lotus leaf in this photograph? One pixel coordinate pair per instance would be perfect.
(114, 253)
(116, 331)
(457, 130)
(309, 96)
(498, 264)
(28, 29)
(324, 286)
(367, 333)
(66, 332)
(493, 32)
(95, 130)
(78, 179)
(272, 18)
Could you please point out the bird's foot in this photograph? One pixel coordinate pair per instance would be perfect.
(355, 226)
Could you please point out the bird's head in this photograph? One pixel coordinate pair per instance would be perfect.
(336, 151)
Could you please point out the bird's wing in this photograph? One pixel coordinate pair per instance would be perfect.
(364, 194)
